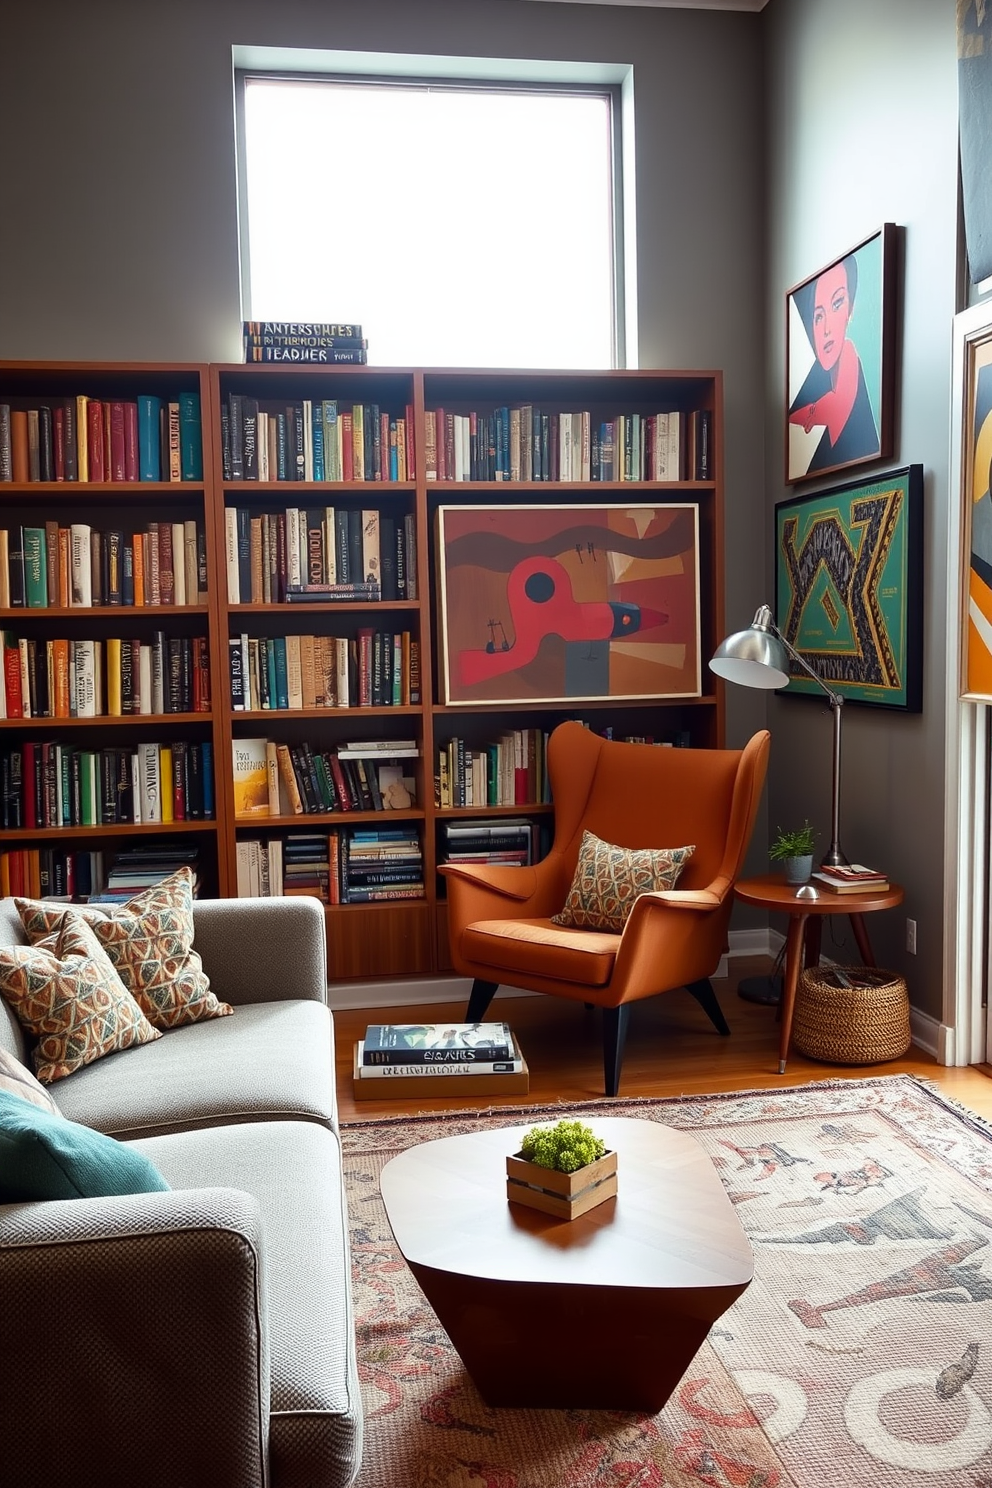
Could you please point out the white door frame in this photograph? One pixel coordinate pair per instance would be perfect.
(963, 1033)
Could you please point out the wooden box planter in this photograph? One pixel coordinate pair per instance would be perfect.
(565, 1195)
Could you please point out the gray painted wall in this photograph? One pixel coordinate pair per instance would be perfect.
(862, 129)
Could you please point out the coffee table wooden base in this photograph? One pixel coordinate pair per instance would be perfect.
(570, 1348)
(602, 1312)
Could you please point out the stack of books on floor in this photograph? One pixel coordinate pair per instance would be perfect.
(850, 878)
(439, 1061)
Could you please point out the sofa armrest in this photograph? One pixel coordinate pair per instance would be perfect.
(262, 950)
(135, 1310)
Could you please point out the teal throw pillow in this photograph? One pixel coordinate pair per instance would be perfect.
(44, 1156)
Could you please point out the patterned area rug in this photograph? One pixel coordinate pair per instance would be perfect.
(860, 1354)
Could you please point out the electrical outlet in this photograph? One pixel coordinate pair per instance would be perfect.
(911, 937)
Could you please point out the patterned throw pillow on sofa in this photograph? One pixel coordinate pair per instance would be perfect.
(150, 942)
(15, 1079)
(70, 998)
(608, 879)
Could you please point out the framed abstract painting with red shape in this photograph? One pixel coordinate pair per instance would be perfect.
(543, 604)
(840, 361)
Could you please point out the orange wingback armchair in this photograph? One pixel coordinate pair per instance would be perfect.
(637, 796)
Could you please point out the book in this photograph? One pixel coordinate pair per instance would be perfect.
(852, 873)
(821, 880)
(461, 1086)
(441, 1043)
(251, 778)
(432, 1069)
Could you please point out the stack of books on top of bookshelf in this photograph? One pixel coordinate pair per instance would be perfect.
(318, 341)
(850, 878)
(438, 1060)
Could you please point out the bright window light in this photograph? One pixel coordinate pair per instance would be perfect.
(461, 226)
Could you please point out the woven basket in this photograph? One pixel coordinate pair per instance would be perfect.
(865, 1023)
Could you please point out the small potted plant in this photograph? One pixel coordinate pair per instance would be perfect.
(794, 850)
(563, 1170)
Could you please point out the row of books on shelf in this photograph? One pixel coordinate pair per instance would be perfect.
(314, 440)
(111, 678)
(82, 874)
(504, 840)
(50, 784)
(321, 342)
(337, 867)
(80, 438)
(508, 771)
(77, 567)
(313, 554)
(277, 779)
(523, 443)
(372, 669)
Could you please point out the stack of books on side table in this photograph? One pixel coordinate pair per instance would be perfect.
(438, 1060)
(850, 878)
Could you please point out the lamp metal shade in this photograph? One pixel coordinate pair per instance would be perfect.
(752, 658)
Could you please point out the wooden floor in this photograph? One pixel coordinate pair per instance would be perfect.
(672, 1049)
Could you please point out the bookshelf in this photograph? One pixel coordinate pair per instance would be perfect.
(409, 937)
(101, 683)
(296, 658)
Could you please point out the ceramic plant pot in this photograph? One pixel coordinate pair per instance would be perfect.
(798, 870)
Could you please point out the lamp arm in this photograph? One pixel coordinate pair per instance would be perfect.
(836, 701)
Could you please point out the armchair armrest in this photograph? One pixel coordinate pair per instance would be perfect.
(672, 937)
(132, 1304)
(262, 950)
(517, 883)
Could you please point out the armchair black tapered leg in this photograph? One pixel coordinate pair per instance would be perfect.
(614, 1035)
(479, 999)
(703, 992)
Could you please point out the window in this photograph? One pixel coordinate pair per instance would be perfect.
(461, 224)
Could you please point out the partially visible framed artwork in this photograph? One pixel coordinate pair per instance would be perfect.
(973, 355)
(543, 604)
(840, 361)
(849, 587)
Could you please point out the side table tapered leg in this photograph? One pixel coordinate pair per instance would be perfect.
(861, 936)
(793, 966)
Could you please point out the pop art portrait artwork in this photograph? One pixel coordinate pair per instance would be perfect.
(840, 361)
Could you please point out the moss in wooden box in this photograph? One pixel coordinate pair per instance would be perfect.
(564, 1170)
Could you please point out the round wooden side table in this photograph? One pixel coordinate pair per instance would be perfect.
(806, 916)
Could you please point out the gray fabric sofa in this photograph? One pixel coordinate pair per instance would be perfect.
(204, 1337)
